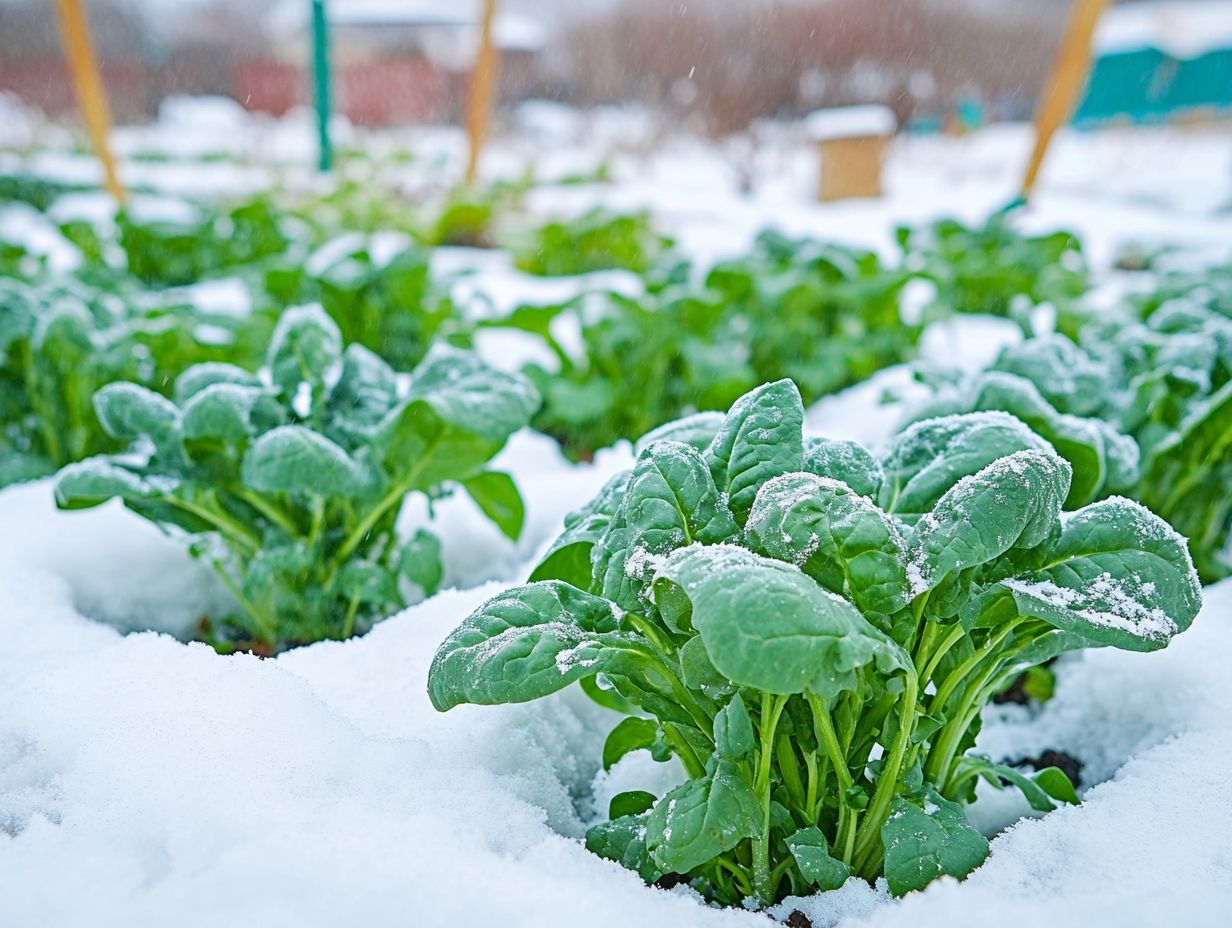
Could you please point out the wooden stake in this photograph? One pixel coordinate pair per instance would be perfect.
(479, 106)
(88, 87)
(1064, 83)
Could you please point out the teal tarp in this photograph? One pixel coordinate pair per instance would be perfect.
(1146, 85)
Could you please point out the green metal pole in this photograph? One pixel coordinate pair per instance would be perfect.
(320, 75)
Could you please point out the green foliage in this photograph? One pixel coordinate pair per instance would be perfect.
(994, 269)
(171, 253)
(38, 192)
(823, 316)
(56, 350)
(387, 302)
(818, 661)
(293, 480)
(1140, 408)
(595, 241)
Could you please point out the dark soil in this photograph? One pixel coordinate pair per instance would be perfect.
(1068, 764)
(671, 880)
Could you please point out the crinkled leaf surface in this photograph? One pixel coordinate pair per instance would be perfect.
(1117, 575)
(222, 411)
(128, 411)
(1013, 502)
(306, 347)
(769, 626)
(835, 535)
(697, 431)
(669, 502)
(925, 842)
(526, 643)
(761, 437)
(929, 457)
(847, 461)
(196, 378)
(95, 480)
(295, 459)
(702, 818)
(467, 393)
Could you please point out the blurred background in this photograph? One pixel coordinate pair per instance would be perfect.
(712, 66)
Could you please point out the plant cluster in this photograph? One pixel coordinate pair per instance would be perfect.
(823, 315)
(994, 269)
(1140, 408)
(595, 241)
(813, 632)
(169, 253)
(291, 481)
(56, 350)
(381, 295)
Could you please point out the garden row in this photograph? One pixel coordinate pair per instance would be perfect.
(810, 627)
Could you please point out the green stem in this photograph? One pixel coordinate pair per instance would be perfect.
(789, 770)
(959, 674)
(941, 755)
(271, 512)
(825, 733)
(393, 497)
(266, 627)
(348, 623)
(869, 837)
(651, 632)
(688, 757)
(810, 795)
(941, 651)
(357, 534)
(739, 876)
(51, 437)
(704, 721)
(318, 518)
(771, 709)
(239, 534)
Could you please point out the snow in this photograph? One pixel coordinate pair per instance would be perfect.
(1184, 29)
(849, 122)
(141, 774)
(23, 225)
(144, 781)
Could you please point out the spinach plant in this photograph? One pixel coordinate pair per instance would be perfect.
(822, 315)
(1160, 391)
(595, 241)
(813, 632)
(292, 481)
(995, 269)
(166, 252)
(56, 350)
(380, 297)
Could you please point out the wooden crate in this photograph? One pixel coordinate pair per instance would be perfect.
(850, 167)
(851, 143)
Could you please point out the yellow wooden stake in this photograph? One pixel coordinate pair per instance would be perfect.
(88, 87)
(1064, 83)
(479, 106)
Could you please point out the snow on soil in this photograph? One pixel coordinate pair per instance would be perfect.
(145, 781)
(138, 774)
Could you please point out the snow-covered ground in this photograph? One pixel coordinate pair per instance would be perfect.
(145, 781)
